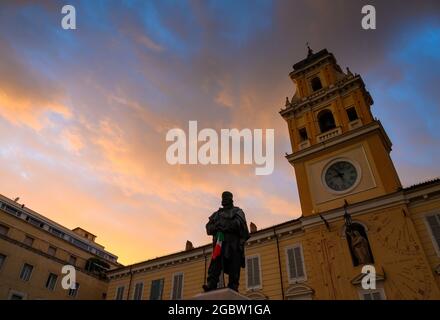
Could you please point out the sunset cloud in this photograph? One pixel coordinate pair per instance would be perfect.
(84, 113)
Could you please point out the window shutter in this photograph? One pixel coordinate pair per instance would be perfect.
(250, 270)
(256, 272)
(120, 293)
(253, 272)
(299, 262)
(292, 265)
(174, 287)
(180, 286)
(51, 281)
(177, 286)
(156, 289)
(74, 292)
(26, 272)
(138, 291)
(296, 263)
(434, 224)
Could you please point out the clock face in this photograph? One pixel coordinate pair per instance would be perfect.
(341, 176)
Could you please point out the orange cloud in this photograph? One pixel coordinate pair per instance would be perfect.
(25, 95)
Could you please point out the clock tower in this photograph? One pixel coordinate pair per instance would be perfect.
(340, 152)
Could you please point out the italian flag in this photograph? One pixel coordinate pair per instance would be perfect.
(218, 245)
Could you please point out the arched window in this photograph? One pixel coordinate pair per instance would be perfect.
(359, 245)
(326, 121)
(316, 83)
(299, 292)
(256, 296)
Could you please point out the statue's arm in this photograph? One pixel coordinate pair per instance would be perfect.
(211, 226)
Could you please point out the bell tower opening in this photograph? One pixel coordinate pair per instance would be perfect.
(326, 121)
(316, 84)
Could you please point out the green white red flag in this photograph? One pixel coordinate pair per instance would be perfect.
(218, 245)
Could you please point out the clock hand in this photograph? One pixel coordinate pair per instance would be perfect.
(340, 174)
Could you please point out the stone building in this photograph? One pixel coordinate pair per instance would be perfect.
(33, 250)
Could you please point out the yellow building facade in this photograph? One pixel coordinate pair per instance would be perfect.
(354, 210)
(34, 249)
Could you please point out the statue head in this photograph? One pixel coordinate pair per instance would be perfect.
(227, 199)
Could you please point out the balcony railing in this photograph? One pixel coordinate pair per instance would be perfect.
(329, 134)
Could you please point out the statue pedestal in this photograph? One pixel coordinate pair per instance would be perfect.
(220, 294)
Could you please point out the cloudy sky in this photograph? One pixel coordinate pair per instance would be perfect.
(84, 113)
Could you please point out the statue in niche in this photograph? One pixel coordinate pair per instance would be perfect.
(359, 245)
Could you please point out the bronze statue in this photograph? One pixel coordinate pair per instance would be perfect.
(230, 232)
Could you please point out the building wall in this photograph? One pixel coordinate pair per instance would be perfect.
(404, 256)
(419, 211)
(17, 253)
(16, 256)
(193, 278)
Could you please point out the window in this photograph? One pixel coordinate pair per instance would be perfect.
(156, 289)
(326, 121)
(2, 260)
(35, 222)
(56, 232)
(28, 241)
(378, 294)
(72, 260)
(51, 281)
(176, 292)
(26, 272)
(303, 134)
(120, 293)
(11, 210)
(52, 250)
(295, 263)
(14, 295)
(73, 292)
(3, 230)
(316, 84)
(138, 288)
(253, 279)
(433, 222)
(80, 244)
(352, 114)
